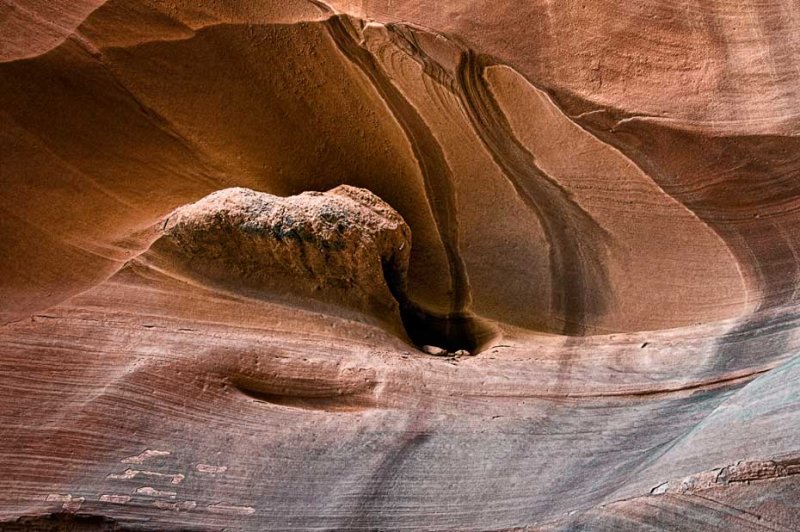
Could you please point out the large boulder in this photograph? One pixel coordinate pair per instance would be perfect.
(345, 246)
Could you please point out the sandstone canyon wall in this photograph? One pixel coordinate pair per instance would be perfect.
(235, 236)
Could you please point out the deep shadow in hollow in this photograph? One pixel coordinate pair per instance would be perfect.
(452, 331)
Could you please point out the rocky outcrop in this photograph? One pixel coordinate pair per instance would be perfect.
(345, 247)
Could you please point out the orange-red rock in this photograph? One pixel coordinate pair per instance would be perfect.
(599, 201)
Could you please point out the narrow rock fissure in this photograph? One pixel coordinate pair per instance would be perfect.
(328, 403)
(457, 329)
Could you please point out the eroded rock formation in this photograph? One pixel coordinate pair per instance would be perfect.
(598, 201)
(345, 247)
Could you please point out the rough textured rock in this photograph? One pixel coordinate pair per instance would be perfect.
(345, 247)
(603, 200)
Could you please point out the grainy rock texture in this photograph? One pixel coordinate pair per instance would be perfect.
(603, 199)
(345, 246)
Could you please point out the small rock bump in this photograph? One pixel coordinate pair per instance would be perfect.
(433, 350)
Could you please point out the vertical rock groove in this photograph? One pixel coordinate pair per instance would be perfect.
(577, 242)
(433, 166)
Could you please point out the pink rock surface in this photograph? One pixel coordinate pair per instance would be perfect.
(599, 201)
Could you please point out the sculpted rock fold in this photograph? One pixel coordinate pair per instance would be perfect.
(604, 282)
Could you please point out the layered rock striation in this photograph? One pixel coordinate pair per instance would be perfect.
(599, 202)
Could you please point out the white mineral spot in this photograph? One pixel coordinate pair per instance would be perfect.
(152, 492)
(144, 455)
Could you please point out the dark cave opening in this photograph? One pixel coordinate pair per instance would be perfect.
(452, 331)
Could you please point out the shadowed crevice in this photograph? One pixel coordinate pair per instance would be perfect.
(291, 396)
(453, 331)
(436, 173)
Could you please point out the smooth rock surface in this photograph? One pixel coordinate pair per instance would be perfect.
(598, 201)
